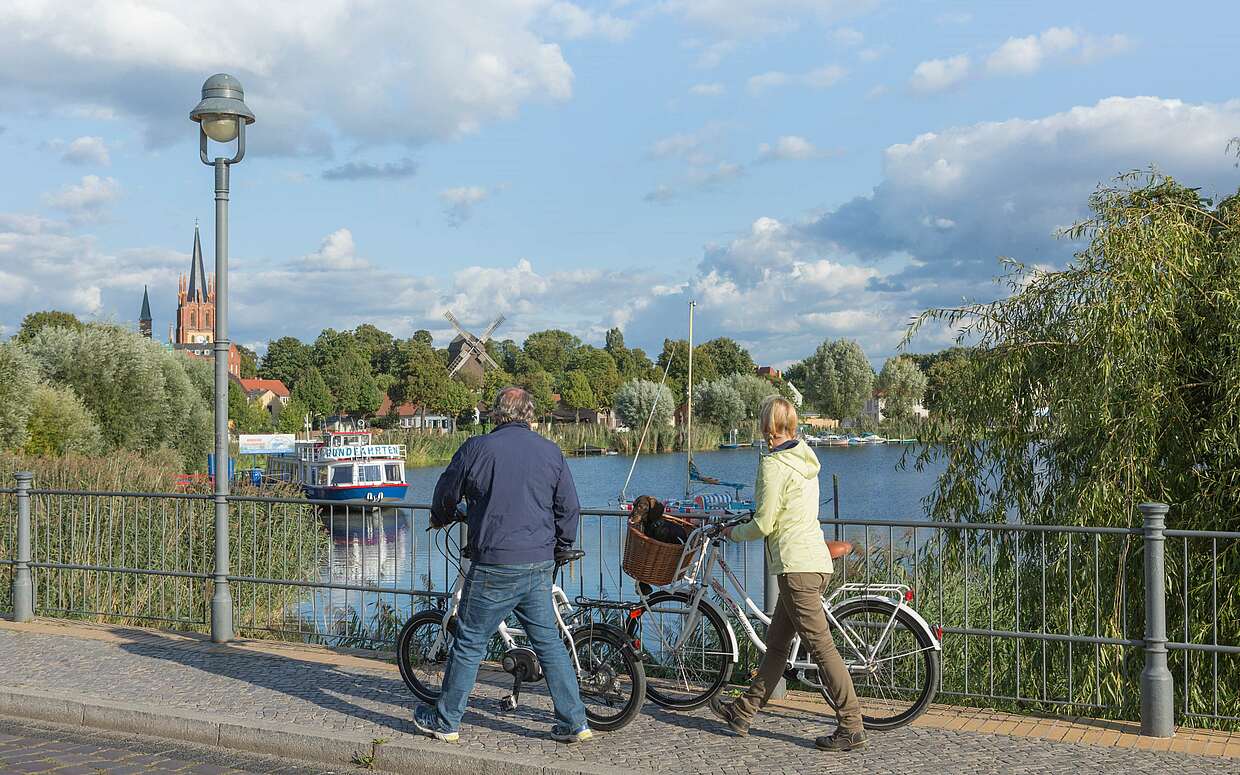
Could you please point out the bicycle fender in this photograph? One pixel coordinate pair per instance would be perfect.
(912, 612)
(610, 629)
(733, 643)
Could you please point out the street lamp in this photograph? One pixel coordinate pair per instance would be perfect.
(222, 116)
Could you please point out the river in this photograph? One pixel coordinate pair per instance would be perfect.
(400, 554)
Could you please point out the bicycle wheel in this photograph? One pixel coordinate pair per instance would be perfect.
(421, 661)
(613, 683)
(894, 670)
(685, 677)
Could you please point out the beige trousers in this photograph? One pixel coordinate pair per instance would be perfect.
(799, 612)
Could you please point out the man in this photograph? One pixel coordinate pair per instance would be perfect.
(522, 508)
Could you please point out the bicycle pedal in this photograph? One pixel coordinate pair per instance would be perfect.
(509, 703)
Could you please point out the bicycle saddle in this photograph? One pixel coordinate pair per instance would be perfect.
(568, 555)
(839, 548)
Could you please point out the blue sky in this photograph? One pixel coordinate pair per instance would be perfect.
(804, 169)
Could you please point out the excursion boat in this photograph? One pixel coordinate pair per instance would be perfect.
(344, 465)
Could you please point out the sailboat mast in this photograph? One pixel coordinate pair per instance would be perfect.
(689, 416)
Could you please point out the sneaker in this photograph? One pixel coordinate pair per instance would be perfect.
(561, 733)
(727, 712)
(426, 720)
(841, 741)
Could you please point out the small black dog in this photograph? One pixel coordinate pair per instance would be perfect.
(649, 512)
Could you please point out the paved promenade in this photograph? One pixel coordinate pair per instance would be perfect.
(329, 708)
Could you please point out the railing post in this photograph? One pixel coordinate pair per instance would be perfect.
(23, 586)
(1157, 689)
(770, 596)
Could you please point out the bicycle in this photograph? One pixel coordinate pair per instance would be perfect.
(609, 672)
(690, 646)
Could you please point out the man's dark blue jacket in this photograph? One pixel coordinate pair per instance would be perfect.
(522, 502)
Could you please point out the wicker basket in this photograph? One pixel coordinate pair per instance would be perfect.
(651, 561)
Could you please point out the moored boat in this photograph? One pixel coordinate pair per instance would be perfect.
(344, 465)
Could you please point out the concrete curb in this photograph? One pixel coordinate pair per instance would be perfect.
(406, 754)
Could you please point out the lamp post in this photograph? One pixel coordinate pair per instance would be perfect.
(222, 116)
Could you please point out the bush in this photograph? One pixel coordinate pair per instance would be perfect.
(60, 424)
(18, 377)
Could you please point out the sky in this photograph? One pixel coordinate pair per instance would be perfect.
(802, 169)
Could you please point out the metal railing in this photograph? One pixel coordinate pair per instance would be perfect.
(1088, 620)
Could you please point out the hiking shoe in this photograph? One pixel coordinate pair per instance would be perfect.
(725, 711)
(426, 720)
(561, 733)
(841, 741)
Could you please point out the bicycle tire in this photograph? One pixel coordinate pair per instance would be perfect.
(713, 678)
(420, 631)
(926, 673)
(598, 677)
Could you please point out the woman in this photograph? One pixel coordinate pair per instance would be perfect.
(787, 518)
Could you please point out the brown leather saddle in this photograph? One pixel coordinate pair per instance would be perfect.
(839, 548)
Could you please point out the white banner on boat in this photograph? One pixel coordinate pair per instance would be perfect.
(266, 443)
(370, 450)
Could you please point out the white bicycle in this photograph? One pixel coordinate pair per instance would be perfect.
(689, 645)
(610, 675)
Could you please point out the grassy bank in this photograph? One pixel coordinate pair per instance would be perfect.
(168, 535)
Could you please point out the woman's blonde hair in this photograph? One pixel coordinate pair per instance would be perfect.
(778, 415)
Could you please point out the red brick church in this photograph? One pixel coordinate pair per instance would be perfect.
(194, 331)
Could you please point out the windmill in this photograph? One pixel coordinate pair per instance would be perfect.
(469, 352)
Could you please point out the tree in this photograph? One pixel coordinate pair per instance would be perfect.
(37, 321)
(352, 385)
(939, 368)
(718, 403)
(838, 378)
(677, 351)
(249, 362)
(551, 349)
(18, 377)
(246, 415)
(729, 357)
(287, 358)
(292, 417)
(1109, 383)
(422, 379)
(60, 424)
(903, 385)
(538, 384)
(600, 371)
(493, 381)
(752, 390)
(422, 336)
(637, 399)
(140, 394)
(576, 393)
(377, 345)
(312, 393)
(455, 399)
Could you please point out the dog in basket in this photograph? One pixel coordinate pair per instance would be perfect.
(648, 512)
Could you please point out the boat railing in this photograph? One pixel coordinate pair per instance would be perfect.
(352, 452)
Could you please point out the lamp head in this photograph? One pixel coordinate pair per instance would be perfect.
(222, 108)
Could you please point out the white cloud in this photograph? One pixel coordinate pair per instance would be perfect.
(935, 75)
(819, 78)
(873, 53)
(707, 89)
(87, 200)
(337, 252)
(86, 150)
(1021, 56)
(459, 202)
(847, 36)
(788, 147)
(572, 21)
(417, 70)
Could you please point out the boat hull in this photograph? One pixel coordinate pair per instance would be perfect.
(377, 493)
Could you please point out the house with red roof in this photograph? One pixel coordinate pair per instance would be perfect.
(270, 394)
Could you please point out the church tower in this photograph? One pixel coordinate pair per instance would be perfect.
(195, 302)
(144, 318)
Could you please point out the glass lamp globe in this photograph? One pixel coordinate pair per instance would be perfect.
(221, 129)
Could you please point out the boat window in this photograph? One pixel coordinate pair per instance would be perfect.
(342, 474)
(393, 472)
(370, 473)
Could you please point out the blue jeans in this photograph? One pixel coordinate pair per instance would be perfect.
(491, 592)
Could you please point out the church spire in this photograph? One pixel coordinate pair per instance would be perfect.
(144, 319)
(197, 275)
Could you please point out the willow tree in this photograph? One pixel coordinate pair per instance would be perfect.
(1087, 391)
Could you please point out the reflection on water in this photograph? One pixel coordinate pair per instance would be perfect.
(392, 549)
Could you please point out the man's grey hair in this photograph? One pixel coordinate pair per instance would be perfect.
(513, 404)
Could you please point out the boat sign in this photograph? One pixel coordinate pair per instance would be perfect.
(369, 450)
(266, 443)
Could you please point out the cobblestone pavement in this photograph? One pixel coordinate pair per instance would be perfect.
(52, 748)
(373, 702)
